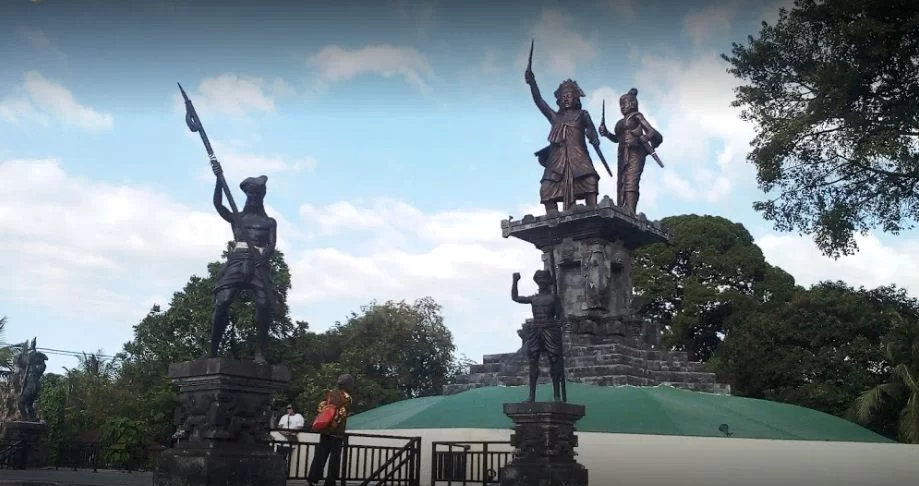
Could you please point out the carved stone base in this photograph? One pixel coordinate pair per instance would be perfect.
(544, 442)
(32, 434)
(202, 467)
(223, 421)
(590, 251)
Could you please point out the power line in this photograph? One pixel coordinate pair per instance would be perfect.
(64, 352)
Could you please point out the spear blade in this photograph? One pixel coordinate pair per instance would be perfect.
(530, 60)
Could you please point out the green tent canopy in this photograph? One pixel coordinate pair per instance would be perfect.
(659, 410)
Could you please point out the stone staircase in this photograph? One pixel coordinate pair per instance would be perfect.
(607, 361)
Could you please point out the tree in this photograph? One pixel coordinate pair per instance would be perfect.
(182, 332)
(896, 401)
(820, 350)
(833, 90)
(711, 272)
(394, 350)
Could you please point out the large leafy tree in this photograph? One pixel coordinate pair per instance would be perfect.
(820, 350)
(182, 332)
(395, 350)
(833, 90)
(711, 272)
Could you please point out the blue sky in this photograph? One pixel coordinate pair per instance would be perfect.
(395, 138)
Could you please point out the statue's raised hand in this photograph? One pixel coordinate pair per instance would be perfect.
(529, 77)
(516, 276)
(602, 130)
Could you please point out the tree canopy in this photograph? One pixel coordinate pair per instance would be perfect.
(711, 272)
(833, 91)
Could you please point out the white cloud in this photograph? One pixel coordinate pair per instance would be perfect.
(400, 252)
(877, 263)
(560, 42)
(490, 64)
(710, 21)
(625, 8)
(235, 95)
(238, 159)
(43, 99)
(38, 39)
(91, 249)
(336, 63)
(423, 14)
(694, 100)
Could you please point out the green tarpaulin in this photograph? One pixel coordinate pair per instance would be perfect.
(660, 410)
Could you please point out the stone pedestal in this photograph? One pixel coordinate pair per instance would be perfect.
(591, 249)
(544, 442)
(32, 436)
(223, 425)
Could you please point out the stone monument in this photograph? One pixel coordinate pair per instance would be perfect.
(21, 388)
(544, 438)
(590, 251)
(225, 404)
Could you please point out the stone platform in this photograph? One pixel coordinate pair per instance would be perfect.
(32, 435)
(223, 422)
(544, 443)
(596, 361)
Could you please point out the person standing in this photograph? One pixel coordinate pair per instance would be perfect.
(332, 437)
(291, 421)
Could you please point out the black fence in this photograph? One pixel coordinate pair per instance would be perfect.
(13, 454)
(469, 462)
(99, 455)
(367, 459)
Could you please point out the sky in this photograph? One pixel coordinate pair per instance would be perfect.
(395, 136)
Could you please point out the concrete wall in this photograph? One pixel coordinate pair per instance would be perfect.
(651, 460)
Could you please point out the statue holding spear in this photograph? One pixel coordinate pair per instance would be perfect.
(255, 238)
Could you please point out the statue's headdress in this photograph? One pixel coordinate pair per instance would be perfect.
(250, 183)
(631, 95)
(569, 84)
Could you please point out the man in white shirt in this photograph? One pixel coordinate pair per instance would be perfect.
(291, 421)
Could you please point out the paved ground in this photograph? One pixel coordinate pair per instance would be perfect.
(46, 477)
(62, 477)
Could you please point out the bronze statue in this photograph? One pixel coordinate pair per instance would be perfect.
(22, 385)
(637, 139)
(255, 235)
(544, 335)
(569, 172)
(31, 384)
(246, 269)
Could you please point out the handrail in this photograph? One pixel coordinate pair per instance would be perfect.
(410, 446)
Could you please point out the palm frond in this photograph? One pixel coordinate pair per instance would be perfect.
(905, 375)
(871, 400)
(909, 421)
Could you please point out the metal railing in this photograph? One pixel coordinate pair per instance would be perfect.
(97, 455)
(13, 454)
(467, 462)
(366, 459)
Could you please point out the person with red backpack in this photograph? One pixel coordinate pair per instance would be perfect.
(330, 423)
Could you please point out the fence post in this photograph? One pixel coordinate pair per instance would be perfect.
(417, 463)
(345, 466)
